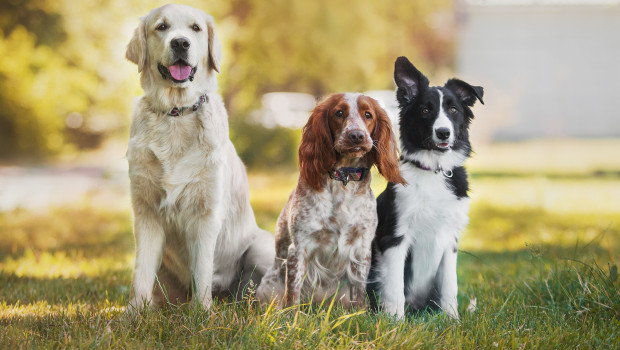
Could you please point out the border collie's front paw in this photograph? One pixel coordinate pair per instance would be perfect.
(394, 309)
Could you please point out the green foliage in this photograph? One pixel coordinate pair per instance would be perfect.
(57, 64)
(260, 147)
(323, 46)
(38, 16)
(65, 84)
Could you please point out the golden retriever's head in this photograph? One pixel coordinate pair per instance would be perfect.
(175, 46)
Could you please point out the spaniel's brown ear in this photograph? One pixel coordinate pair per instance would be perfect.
(316, 151)
(385, 151)
(137, 49)
(215, 49)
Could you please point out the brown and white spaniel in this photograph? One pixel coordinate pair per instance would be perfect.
(324, 233)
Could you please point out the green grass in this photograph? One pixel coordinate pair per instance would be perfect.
(542, 273)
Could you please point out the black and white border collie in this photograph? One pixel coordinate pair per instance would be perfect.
(415, 247)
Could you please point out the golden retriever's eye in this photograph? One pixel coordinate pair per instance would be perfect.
(368, 115)
(452, 110)
(162, 27)
(340, 114)
(196, 28)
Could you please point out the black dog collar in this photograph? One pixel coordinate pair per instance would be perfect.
(178, 111)
(348, 174)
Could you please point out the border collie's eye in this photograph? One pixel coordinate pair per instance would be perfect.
(452, 110)
(162, 27)
(368, 115)
(425, 110)
(196, 28)
(340, 114)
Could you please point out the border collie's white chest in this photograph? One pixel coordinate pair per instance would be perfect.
(427, 204)
(430, 217)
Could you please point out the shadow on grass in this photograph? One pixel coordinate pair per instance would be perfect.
(94, 232)
(112, 285)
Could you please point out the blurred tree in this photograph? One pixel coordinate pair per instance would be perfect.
(38, 16)
(325, 46)
(23, 26)
(261, 147)
(319, 47)
(60, 85)
(64, 82)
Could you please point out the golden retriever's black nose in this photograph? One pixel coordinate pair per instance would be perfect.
(179, 44)
(356, 137)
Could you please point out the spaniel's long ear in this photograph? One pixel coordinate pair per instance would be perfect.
(385, 151)
(137, 49)
(215, 49)
(316, 151)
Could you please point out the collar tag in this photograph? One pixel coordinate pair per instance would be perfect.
(447, 173)
(345, 174)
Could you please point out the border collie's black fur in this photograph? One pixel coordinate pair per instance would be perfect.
(414, 250)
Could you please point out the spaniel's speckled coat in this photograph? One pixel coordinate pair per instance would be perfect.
(325, 230)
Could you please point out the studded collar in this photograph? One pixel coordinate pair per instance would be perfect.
(179, 111)
(345, 174)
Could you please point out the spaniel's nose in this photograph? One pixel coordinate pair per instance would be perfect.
(356, 136)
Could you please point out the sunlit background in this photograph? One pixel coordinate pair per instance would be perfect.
(547, 139)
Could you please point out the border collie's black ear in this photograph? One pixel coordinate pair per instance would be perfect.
(409, 81)
(465, 92)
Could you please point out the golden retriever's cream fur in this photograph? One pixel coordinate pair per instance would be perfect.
(195, 230)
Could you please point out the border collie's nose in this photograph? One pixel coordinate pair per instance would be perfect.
(356, 137)
(179, 44)
(442, 133)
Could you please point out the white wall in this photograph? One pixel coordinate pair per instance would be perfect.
(548, 70)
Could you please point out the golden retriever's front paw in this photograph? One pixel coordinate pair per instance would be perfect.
(136, 305)
(207, 303)
(204, 303)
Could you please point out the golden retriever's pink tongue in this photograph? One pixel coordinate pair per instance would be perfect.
(180, 71)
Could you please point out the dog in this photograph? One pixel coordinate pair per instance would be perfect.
(415, 249)
(324, 232)
(194, 228)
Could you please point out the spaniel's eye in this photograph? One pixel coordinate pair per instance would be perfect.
(162, 27)
(368, 115)
(196, 28)
(452, 110)
(340, 114)
(425, 110)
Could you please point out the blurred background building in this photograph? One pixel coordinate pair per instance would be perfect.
(551, 68)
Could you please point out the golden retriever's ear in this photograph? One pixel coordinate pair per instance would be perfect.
(215, 49)
(136, 49)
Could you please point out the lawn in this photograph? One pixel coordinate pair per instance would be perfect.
(537, 269)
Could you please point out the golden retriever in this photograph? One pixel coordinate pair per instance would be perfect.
(195, 231)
